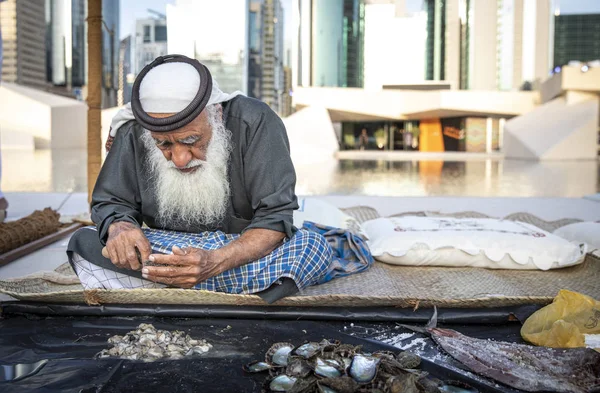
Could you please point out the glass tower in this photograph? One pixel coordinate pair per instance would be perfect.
(576, 37)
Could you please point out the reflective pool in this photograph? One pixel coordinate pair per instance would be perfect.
(65, 171)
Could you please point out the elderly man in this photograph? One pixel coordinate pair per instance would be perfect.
(199, 167)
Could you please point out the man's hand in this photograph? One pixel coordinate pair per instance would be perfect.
(186, 267)
(123, 240)
(190, 266)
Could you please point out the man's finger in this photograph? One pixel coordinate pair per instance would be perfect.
(112, 252)
(121, 250)
(179, 251)
(170, 259)
(132, 258)
(169, 280)
(144, 247)
(166, 271)
(105, 253)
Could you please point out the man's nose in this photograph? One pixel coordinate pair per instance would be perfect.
(181, 155)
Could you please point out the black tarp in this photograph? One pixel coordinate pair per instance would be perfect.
(28, 335)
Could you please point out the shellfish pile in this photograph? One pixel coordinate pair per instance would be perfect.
(333, 367)
(148, 344)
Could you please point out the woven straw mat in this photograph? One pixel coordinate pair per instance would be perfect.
(381, 285)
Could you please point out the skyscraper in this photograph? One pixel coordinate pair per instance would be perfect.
(66, 66)
(272, 53)
(214, 32)
(110, 52)
(126, 75)
(576, 38)
(23, 40)
(266, 78)
(150, 40)
(488, 44)
(329, 48)
(286, 97)
(436, 40)
(525, 40)
(66, 48)
(402, 61)
(254, 49)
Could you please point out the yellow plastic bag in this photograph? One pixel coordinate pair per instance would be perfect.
(563, 323)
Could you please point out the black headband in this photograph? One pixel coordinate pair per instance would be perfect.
(182, 118)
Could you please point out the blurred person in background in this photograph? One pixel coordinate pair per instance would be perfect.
(363, 139)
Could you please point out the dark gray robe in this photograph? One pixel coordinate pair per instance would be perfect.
(261, 175)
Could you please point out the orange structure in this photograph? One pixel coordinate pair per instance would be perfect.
(430, 137)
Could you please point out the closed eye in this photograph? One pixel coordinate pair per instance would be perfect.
(190, 140)
(162, 144)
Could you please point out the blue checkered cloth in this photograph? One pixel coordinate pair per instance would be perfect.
(315, 254)
(305, 258)
(350, 251)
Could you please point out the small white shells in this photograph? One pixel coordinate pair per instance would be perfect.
(148, 344)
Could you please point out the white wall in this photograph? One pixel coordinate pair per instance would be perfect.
(69, 127)
(22, 115)
(565, 128)
(484, 35)
(452, 50)
(311, 135)
(313, 145)
(544, 39)
(571, 78)
(50, 120)
(395, 104)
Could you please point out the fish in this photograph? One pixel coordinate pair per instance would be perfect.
(525, 367)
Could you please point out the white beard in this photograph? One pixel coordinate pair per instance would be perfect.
(197, 198)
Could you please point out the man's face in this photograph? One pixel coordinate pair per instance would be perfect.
(186, 144)
(187, 169)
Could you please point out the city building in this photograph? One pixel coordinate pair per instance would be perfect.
(486, 45)
(126, 75)
(66, 68)
(23, 42)
(66, 49)
(424, 117)
(558, 122)
(329, 46)
(286, 94)
(576, 38)
(436, 38)
(254, 49)
(150, 40)
(394, 44)
(272, 54)
(193, 26)
(265, 52)
(110, 52)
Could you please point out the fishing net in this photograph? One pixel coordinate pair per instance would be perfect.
(27, 229)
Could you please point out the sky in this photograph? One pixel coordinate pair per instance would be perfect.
(135, 9)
